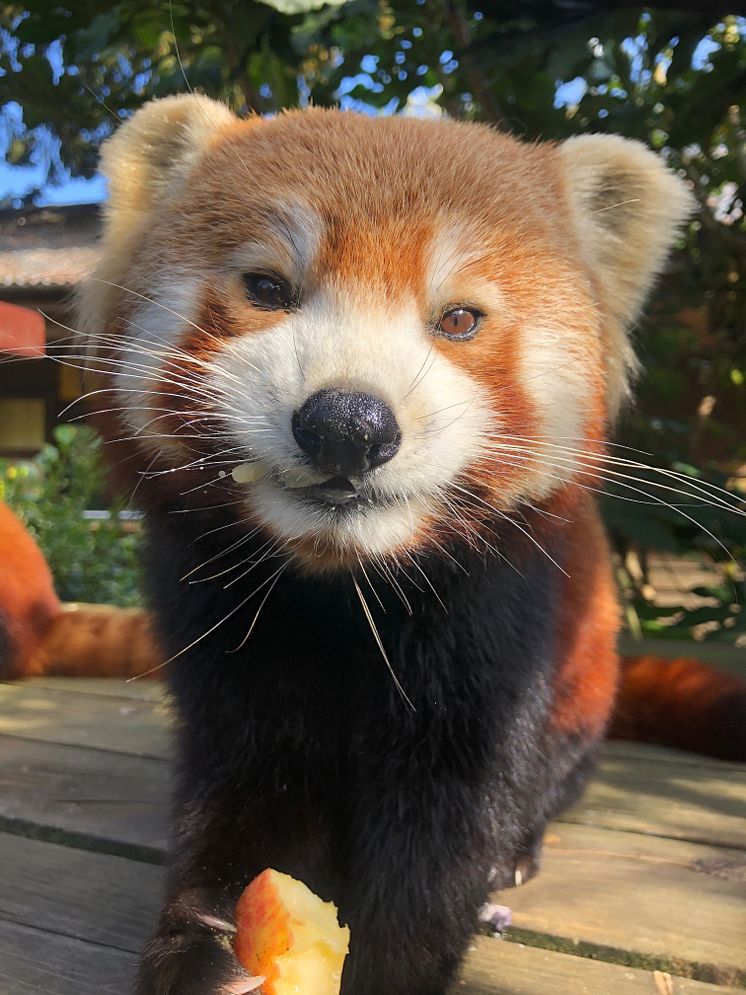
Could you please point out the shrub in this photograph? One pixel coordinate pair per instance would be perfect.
(94, 561)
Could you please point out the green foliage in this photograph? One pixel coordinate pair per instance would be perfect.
(680, 523)
(90, 561)
(672, 75)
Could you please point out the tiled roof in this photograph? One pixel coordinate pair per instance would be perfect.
(48, 247)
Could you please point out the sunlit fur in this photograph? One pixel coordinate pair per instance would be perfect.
(388, 699)
(379, 224)
(28, 604)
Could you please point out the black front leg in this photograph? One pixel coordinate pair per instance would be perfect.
(435, 798)
(223, 839)
(418, 878)
(305, 758)
(191, 951)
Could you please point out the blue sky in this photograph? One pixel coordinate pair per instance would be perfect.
(16, 181)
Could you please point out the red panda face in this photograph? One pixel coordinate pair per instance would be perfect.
(387, 332)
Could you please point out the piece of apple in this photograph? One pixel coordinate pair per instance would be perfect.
(290, 936)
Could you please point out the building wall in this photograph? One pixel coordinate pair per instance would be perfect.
(35, 392)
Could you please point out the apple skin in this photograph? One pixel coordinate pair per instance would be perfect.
(263, 928)
(289, 936)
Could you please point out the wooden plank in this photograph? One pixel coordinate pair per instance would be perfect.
(662, 754)
(118, 797)
(638, 900)
(86, 896)
(115, 803)
(105, 801)
(639, 788)
(687, 798)
(131, 726)
(111, 687)
(111, 903)
(493, 967)
(59, 709)
(33, 962)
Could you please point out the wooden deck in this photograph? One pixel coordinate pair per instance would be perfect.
(643, 889)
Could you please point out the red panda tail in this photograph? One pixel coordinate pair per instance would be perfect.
(99, 641)
(681, 703)
(38, 635)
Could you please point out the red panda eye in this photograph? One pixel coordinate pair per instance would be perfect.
(459, 323)
(271, 293)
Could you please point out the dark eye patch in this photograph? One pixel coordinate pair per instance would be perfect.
(269, 292)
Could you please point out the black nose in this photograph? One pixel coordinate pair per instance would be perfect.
(346, 433)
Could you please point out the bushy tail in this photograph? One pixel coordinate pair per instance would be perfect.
(38, 635)
(681, 703)
(99, 641)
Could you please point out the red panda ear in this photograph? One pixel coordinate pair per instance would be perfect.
(150, 156)
(146, 161)
(627, 206)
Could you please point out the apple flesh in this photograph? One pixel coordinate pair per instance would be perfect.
(290, 936)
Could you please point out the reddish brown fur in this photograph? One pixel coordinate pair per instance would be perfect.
(100, 641)
(28, 604)
(518, 237)
(677, 703)
(586, 679)
(39, 635)
(684, 704)
(380, 211)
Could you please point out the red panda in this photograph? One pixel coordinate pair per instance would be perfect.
(39, 635)
(677, 703)
(28, 604)
(364, 371)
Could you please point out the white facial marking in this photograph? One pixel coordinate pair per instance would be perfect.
(151, 355)
(289, 242)
(554, 373)
(554, 364)
(347, 337)
(339, 340)
(450, 253)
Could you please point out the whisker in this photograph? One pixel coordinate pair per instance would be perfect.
(274, 579)
(655, 499)
(379, 643)
(420, 376)
(709, 490)
(589, 460)
(199, 639)
(507, 518)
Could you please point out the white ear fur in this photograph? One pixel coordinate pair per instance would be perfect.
(627, 206)
(150, 156)
(147, 161)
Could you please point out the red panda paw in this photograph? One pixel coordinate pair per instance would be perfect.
(512, 873)
(192, 951)
(193, 963)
